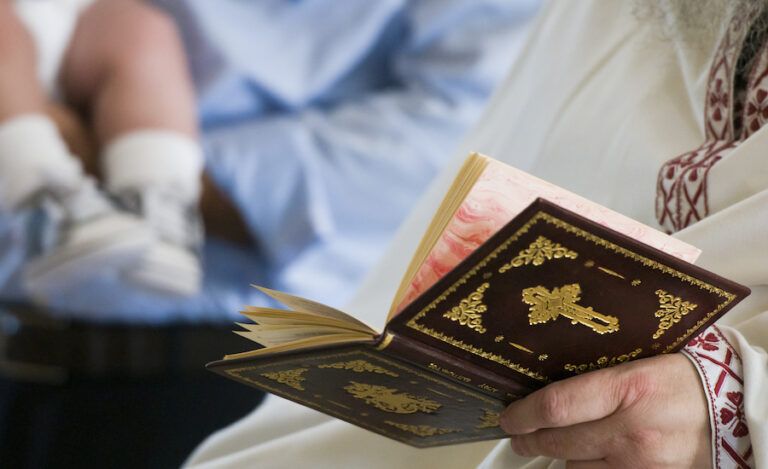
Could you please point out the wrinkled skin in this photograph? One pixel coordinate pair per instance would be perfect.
(647, 413)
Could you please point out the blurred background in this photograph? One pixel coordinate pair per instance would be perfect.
(158, 158)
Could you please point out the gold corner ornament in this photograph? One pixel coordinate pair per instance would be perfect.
(390, 400)
(671, 311)
(360, 366)
(489, 419)
(548, 305)
(470, 310)
(602, 362)
(291, 378)
(538, 252)
(422, 431)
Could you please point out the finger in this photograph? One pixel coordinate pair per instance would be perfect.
(583, 398)
(585, 441)
(598, 464)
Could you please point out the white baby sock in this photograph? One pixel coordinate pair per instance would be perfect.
(152, 158)
(33, 156)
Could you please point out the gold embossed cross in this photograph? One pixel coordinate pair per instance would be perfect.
(548, 305)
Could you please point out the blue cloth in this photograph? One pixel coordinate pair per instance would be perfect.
(323, 121)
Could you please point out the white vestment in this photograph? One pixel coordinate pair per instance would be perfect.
(597, 103)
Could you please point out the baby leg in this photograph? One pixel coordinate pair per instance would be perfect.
(126, 66)
(126, 69)
(33, 155)
(20, 92)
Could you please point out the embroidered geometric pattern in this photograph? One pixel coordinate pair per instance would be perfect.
(722, 373)
(756, 100)
(681, 187)
(730, 117)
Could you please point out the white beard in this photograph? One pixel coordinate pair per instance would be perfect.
(697, 23)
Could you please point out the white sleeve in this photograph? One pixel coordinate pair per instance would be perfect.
(725, 361)
(731, 358)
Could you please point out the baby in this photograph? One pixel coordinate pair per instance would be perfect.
(120, 63)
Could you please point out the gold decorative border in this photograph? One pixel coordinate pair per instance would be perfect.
(546, 217)
(237, 373)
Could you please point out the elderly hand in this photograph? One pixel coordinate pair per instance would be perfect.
(647, 413)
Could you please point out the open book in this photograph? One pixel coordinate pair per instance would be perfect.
(515, 284)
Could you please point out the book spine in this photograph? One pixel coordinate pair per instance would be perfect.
(463, 372)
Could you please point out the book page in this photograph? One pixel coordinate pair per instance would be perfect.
(278, 329)
(318, 341)
(304, 305)
(274, 336)
(281, 317)
(499, 194)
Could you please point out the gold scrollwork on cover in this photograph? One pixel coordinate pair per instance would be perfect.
(602, 362)
(489, 419)
(725, 297)
(671, 311)
(421, 430)
(291, 378)
(360, 366)
(548, 305)
(390, 400)
(537, 252)
(470, 309)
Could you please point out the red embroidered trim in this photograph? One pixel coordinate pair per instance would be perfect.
(718, 122)
(721, 369)
(681, 186)
(755, 112)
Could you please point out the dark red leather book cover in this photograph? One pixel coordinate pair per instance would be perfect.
(553, 294)
(359, 384)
